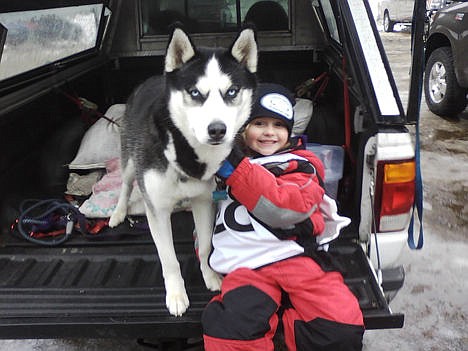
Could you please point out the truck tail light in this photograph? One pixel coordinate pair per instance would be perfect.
(395, 186)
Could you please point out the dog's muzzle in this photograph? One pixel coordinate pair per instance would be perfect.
(216, 132)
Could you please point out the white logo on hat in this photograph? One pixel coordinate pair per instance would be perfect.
(279, 104)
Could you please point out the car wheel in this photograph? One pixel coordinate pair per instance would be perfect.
(444, 96)
(387, 23)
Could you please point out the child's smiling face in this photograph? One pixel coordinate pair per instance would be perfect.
(266, 135)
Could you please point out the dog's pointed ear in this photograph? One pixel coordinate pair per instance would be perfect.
(245, 50)
(179, 50)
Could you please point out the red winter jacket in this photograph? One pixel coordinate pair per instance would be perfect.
(283, 200)
(271, 212)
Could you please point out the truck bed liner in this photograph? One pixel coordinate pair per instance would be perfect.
(115, 289)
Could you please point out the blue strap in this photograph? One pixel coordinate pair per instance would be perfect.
(417, 59)
(418, 199)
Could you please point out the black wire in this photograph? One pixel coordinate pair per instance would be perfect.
(374, 224)
(53, 205)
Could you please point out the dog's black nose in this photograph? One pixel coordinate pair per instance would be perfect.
(217, 130)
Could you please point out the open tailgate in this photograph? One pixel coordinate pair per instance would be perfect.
(115, 289)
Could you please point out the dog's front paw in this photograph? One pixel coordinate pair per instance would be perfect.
(177, 303)
(177, 300)
(117, 217)
(212, 280)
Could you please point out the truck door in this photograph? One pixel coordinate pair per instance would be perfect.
(364, 49)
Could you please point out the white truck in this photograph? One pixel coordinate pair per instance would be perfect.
(395, 11)
(64, 64)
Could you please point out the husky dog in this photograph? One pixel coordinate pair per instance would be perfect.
(178, 129)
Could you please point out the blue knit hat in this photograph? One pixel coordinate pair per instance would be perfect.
(275, 101)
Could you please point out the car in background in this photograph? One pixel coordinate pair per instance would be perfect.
(395, 11)
(392, 12)
(434, 5)
(446, 72)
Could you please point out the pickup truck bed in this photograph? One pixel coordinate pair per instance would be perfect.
(114, 288)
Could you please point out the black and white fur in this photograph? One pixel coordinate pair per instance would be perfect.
(178, 129)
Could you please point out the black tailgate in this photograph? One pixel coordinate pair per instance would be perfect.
(115, 289)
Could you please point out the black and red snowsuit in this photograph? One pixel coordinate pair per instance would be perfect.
(272, 205)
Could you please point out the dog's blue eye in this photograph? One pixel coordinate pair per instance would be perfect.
(195, 93)
(232, 92)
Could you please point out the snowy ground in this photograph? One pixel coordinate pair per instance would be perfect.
(434, 298)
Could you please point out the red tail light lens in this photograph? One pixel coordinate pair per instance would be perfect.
(395, 194)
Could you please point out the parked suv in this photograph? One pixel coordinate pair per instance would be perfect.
(446, 73)
(64, 273)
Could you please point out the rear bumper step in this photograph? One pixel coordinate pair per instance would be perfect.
(393, 278)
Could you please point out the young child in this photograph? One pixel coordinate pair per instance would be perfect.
(270, 214)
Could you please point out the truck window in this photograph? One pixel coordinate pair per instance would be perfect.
(383, 89)
(212, 16)
(331, 20)
(39, 37)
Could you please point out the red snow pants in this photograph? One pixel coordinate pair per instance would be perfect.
(323, 314)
